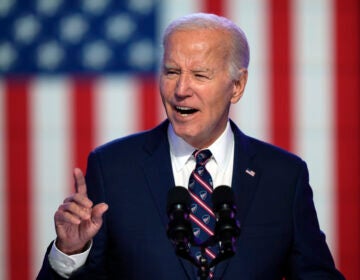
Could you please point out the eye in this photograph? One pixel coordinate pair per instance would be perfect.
(201, 76)
(170, 72)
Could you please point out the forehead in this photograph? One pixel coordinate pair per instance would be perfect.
(201, 45)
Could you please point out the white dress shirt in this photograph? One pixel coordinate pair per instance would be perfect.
(220, 167)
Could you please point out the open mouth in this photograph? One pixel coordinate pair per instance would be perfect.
(185, 110)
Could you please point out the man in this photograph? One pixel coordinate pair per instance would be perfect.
(204, 71)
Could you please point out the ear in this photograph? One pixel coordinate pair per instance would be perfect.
(239, 86)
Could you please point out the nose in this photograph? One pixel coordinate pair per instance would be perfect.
(183, 86)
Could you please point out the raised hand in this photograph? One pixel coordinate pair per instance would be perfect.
(77, 221)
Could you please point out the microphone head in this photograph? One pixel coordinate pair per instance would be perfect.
(222, 195)
(179, 228)
(178, 195)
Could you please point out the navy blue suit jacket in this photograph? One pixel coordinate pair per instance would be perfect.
(280, 235)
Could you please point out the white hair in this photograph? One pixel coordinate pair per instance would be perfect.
(238, 48)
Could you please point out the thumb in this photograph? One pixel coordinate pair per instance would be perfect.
(97, 213)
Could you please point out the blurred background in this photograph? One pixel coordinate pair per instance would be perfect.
(75, 74)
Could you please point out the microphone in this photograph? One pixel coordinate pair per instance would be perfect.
(227, 228)
(179, 229)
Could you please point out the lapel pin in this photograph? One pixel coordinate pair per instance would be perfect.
(250, 172)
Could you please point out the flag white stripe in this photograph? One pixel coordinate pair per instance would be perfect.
(313, 104)
(116, 107)
(3, 202)
(170, 10)
(50, 167)
(252, 111)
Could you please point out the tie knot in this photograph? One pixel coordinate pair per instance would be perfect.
(202, 156)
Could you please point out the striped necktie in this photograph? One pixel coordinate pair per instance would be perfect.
(202, 216)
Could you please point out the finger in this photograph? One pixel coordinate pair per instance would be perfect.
(74, 209)
(80, 199)
(80, 185)
(62, 217)
(97, 213)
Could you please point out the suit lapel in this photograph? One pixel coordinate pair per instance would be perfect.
(159, 175)
(244, 184)
(245, 174)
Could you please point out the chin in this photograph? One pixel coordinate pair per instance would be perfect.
(189, 136)
(184, 131)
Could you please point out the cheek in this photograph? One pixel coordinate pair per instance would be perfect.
(219, 100)
(163, 92)
(226, 94)
(218, 106)
(166, 87)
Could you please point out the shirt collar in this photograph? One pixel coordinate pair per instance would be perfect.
(181, 151)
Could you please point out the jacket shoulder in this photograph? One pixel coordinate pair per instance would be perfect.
(133, 143)
(270, 151)
(263, 151)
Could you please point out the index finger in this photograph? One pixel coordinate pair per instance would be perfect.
(80, 184)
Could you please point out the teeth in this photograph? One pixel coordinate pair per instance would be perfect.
(185, 110)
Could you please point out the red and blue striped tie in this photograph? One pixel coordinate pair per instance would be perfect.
(202, 216)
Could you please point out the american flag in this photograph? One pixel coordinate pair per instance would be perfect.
(75, 74)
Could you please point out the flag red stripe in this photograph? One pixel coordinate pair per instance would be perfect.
(214, 7)
(17, 184)
(149, 108)
(280, 73)
(347, 100)
(83, 121)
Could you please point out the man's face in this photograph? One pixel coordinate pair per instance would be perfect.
(196, 87)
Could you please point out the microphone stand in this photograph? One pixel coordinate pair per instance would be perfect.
(203, 266)
(227, 250)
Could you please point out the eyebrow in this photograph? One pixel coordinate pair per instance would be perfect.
(168, 66)
(202, 70)
(196, 70)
